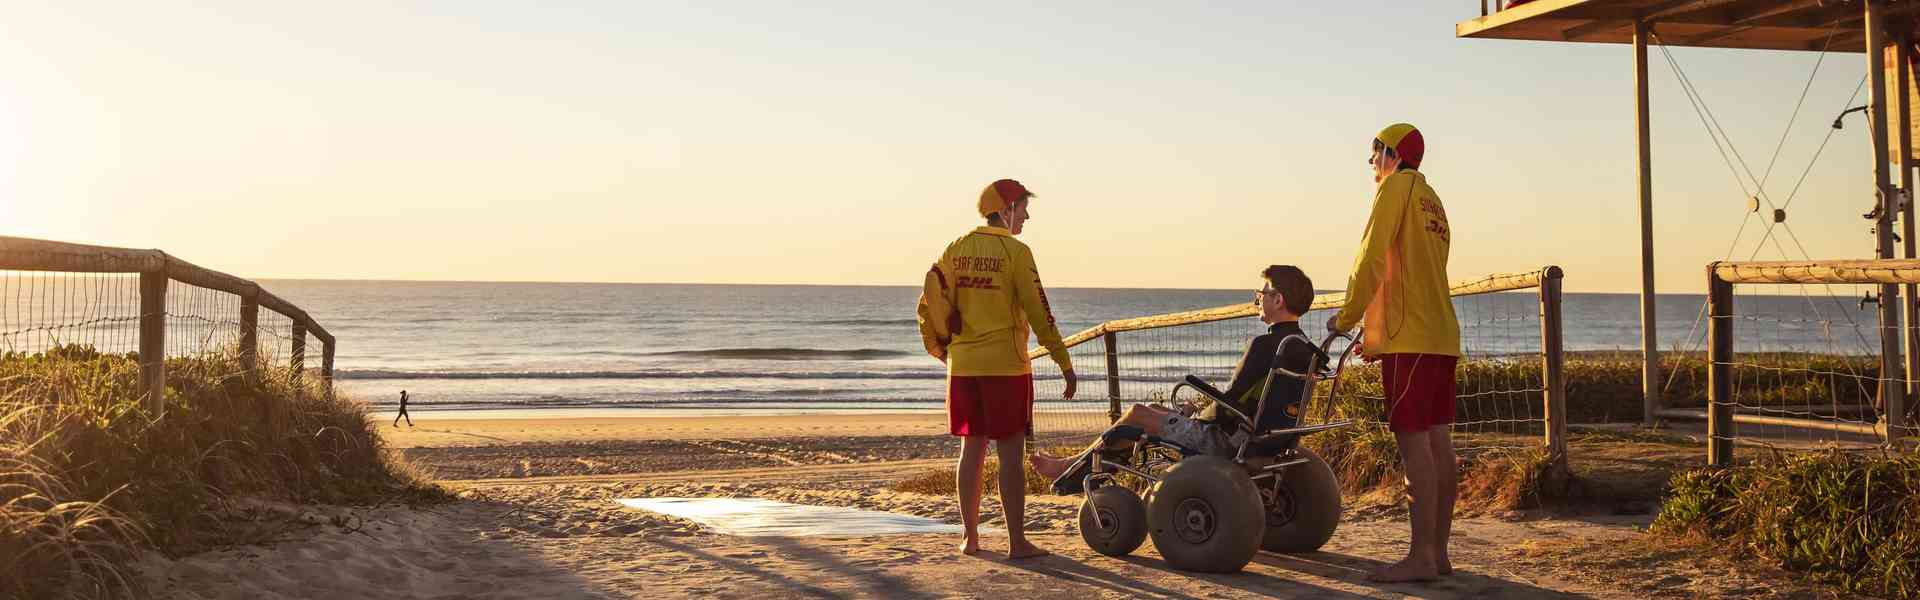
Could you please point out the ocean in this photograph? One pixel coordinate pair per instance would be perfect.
(775, 348)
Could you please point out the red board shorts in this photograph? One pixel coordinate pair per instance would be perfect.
(995, 406)
(1419, 390)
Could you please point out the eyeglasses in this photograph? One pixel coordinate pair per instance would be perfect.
(1260, 294)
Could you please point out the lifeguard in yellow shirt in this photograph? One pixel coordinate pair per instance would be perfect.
(979, 302)
(1399, 290)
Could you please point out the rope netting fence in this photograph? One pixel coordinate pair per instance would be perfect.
(1501, 381)
(1798, 357)
(62, 301)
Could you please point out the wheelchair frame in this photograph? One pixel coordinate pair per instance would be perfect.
(1103, 470)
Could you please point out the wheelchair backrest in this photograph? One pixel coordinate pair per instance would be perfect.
(1271, 395)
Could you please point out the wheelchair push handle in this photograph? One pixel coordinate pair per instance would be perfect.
(1339, 366)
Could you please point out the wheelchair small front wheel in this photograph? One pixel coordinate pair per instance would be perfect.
(1113, 521)
(1207, 516)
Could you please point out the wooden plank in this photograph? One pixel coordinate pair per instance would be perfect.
(28, 254)
(276, 304)
(191, 274)
(1893, 271)
(1792, 25)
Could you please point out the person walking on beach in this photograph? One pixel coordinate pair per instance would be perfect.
(1399, 289)
(403, 411)
(980, 301)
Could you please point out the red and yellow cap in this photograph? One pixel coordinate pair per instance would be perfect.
(1405, 141)
(1001, 194)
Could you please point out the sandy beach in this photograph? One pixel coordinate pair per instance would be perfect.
(526, 525)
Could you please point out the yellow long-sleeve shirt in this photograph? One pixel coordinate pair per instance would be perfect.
(997, 291)
(1399, 281)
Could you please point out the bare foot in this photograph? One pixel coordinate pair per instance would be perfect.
(970, 545)
(1406, 570)
(1047, 466)
(1024, 549)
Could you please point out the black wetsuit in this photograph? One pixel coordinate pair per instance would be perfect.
(1250, 378)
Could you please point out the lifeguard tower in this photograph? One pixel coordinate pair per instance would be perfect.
(1883, 30)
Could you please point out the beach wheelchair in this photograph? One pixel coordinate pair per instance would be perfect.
(1212, 513)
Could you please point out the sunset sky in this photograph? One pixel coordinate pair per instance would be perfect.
(1172, 144)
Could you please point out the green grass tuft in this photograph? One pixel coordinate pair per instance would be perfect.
(1852, 518)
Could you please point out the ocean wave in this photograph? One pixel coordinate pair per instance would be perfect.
(860, 322)
(786, 353)
(370, 374)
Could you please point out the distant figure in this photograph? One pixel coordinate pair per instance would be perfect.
(403, 411)
(985, 296)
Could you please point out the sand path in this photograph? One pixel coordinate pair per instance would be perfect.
(564, 538)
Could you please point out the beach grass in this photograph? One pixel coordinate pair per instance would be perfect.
(1852, 518)
(89, 476)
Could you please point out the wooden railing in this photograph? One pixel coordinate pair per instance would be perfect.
(156, 269)
(1724, 407)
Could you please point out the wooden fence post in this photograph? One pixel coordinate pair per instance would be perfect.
(1553, 367)
(250, 335)
(1111, 342)
(1719, 370)
(326, 365)
(153, 339)
(299, 362)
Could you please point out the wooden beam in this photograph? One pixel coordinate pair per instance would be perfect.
(28, 254)
(1893, 388)
(1499, 282)
(1894, 271)
(1643, 170)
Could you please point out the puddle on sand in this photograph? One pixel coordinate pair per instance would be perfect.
(755, 517)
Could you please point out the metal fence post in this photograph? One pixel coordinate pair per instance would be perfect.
(153, 339)
(1553, 366)
(250, 334)
(1719, 370)
(299, 362)
(1111, 343)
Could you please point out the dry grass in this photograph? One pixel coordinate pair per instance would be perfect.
(87, 474)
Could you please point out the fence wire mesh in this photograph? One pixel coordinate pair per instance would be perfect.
(42, 313)
(1805, 371)
(60, 315)
(1498, 381)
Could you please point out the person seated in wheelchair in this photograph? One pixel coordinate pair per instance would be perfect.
(1286, 294)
